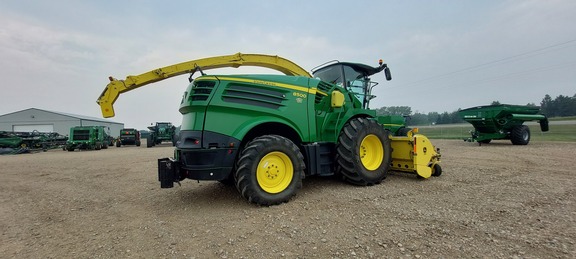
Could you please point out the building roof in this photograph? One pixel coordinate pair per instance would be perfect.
(81, 117)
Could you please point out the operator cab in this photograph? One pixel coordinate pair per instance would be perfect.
(354, 77)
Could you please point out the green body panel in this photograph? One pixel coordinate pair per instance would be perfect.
(496, 121)
(236, 104)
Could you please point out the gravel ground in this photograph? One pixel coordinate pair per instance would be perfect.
(492, 201)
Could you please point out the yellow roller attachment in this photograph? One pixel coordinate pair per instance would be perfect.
(423, 151)
(413, 154)
(402, 154)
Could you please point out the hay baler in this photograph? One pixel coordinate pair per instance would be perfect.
(128, 136)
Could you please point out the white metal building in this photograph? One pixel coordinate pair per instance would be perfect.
(50, 121)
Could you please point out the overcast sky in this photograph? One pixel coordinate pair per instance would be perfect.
(444, 55)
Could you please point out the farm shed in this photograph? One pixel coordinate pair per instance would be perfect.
(51, 121)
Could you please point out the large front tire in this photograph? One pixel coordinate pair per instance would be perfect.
(269, 170)
(364, 152)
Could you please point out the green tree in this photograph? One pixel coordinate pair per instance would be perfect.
(455, 117)
(565, 106)
(418, 119)
(433, 117)
(546, 106)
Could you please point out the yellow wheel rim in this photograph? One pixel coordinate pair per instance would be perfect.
(371, 152)
(275, 172)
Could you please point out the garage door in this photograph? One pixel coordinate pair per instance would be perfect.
(30, 128)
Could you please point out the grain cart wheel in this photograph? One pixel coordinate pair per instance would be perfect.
(520, 135)
(363, 152)
(270, 170)
(149, 141)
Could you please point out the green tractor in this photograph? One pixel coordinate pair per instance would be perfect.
(266, 133)
(128, 136)
(161, 132)
(88, 137)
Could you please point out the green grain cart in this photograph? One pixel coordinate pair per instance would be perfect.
(502, 121)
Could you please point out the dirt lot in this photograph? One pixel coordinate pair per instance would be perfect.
(493, 201)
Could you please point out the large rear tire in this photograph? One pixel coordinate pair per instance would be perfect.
(364, 152)
(520, 135)
(269, 170)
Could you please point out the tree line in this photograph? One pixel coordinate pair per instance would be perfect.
(561, 106)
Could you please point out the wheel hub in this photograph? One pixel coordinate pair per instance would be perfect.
(275, 172)
(371, 152)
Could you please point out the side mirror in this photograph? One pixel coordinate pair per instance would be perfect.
(387, 73)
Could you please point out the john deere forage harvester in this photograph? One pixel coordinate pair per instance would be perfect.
(266, 133)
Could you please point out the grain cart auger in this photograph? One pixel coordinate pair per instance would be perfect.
(502, 121)
(265, 133)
